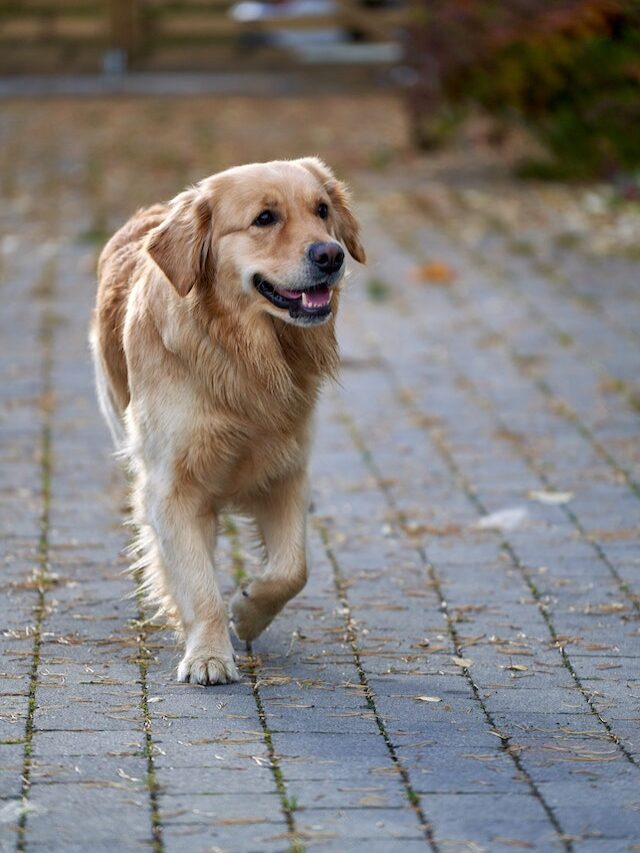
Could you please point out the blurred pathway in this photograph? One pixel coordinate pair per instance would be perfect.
(462, 671)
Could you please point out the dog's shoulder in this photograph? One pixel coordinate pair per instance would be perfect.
(118, 265)
(126, 243)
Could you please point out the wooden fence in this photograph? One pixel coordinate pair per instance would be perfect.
(72, 36)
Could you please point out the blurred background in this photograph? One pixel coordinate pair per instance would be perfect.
(516, 121)
(490, 350)
(551, 87)
(566, 72)
(459, 93)
(473, 89)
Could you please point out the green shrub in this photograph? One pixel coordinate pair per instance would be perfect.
(570, 71)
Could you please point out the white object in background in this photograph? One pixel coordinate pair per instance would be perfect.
(503, 519)
(253, 10)
(550, 497)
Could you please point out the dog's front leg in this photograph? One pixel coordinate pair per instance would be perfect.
(281, 517)
(185, 541)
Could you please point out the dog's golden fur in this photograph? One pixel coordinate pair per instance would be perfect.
(209, 388)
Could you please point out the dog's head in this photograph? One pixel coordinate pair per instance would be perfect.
(267, 237)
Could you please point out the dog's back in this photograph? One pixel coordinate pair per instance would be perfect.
(117, 265)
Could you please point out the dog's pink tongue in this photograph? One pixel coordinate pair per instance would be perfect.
(316, 298)
(289, 294)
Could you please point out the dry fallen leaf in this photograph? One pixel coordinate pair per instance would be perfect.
(428, 699)
(373, 801)
(436, 272)
(614, 535)
(415, 529)
(514, 650)
(517, 667)
(601, 609)
(123, 775)
(466, 662)
(550, 497)
(513, 842)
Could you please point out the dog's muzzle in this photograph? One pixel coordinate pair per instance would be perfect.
(309, 304)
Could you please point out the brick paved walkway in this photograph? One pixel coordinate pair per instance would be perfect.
(443, 683)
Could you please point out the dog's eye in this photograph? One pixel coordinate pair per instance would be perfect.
(322, 211)
(267, 217)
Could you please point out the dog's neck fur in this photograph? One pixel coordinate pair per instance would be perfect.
(311, 352)
(282, 365)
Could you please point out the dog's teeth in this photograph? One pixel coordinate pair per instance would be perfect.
(316, 298)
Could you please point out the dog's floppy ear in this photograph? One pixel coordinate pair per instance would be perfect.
(348, 227)
(181, 245)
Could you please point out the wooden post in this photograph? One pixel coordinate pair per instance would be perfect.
(124, 30)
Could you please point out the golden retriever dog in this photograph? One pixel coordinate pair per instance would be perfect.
(212, 334)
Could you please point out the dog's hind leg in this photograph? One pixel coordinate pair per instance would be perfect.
(281, 517)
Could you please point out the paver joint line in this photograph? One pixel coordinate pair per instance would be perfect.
(413, 798)
(287, 805)
(479, 375)
(558, 405)
(522, 450)
(440, 444)
(157, 843)
(42, 573)
(438, 441)
(400, 521)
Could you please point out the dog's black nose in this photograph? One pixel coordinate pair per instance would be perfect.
(326, 256)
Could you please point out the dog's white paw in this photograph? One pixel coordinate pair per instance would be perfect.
(248, 617)
(204, 668)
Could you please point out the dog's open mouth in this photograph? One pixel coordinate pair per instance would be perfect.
(312, 303)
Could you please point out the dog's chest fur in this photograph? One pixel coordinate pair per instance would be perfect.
(243, 411)
(231, 459)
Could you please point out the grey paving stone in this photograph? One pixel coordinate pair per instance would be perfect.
(218, 810)
(343, 673)
(272, 838)
(469, 819)
(378, 824)
(620, 820)
(374, 845)
(74, 811)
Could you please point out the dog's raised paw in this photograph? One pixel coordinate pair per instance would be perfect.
(248, 618)
(207, 669)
